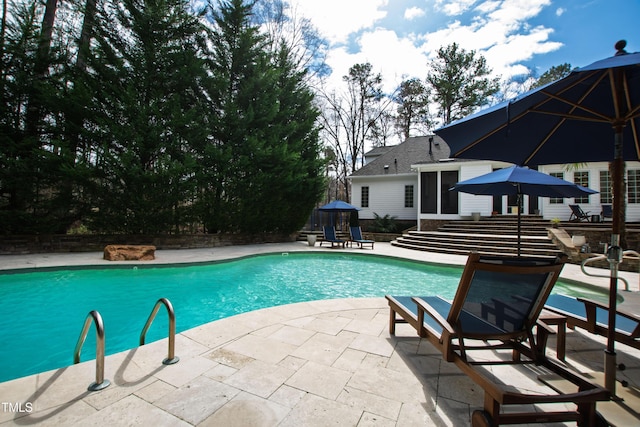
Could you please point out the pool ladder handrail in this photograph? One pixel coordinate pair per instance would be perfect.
(100, 382)
(171, 358)
(628, 254)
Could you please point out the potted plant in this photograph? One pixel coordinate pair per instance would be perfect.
(555, 222)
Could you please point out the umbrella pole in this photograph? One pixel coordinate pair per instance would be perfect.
(519, 221)
(614, 256)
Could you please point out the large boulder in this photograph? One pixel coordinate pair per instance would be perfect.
(129, 252)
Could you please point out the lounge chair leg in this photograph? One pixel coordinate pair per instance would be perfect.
(481, 419)
(392, 322)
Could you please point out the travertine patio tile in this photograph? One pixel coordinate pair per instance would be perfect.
(417, 414)
(370, 402)
(265, 349)
(350, 360)
(185, 370)
(372, 344)
(221, 372)
(230, 358)
(154, 391)
(292, 335)
(315, 411)
(247, 410)
(131, 411)
(365, 327)
(292, 362)
(259, 378)
(400, 386)
(319, 379)
(287, 396)
(330, 326)
(198, 399)
(373, 420)
(323, 348)
(217, 333)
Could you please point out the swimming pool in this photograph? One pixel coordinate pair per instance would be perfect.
(42, 313)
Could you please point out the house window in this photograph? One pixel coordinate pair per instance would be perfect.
(606, 196)
(408, 196)
(556, 200)
(364, 197)
(581, 178)
(633, 186)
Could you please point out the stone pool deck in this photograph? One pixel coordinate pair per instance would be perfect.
(316, 363)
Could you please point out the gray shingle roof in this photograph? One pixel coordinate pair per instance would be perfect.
(413, 150)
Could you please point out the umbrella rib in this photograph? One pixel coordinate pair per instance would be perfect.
(632, 115)
(576, 104)
(564, 116)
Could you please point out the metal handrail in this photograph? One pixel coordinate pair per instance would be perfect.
(100, 383)
(628, 254)
(171, 358)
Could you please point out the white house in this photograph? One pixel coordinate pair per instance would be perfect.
(411, 181)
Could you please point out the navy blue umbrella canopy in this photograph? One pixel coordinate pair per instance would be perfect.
(592, 115)
(572, 120)
(338, 206)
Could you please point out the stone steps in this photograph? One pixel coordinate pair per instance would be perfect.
(490, 236)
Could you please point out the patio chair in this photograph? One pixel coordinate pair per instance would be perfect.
(356, 237)
(606, 212)
(495, 307)
(593, 316)
(329, 233)
(577, 214)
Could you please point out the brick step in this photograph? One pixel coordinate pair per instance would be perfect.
(459, 250)
(492, 240)
(487, 229)
(479, 244)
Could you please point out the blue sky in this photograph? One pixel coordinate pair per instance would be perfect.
(400, 37)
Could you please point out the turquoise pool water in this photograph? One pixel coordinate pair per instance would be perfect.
(42, 313)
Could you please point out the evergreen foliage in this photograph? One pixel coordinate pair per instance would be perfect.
(153, 119)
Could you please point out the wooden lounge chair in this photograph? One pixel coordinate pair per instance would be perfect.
(495, 307)
(329, 233)
(356, 237)
(577, 214)
(593, 316)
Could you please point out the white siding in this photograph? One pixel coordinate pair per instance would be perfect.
(594, 206)
(386, 196)
(471, 203)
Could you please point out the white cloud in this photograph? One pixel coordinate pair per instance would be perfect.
(560, 11)
(337, 19)
(455, 7)
(413, 12)
(502, 35)
(393, 57)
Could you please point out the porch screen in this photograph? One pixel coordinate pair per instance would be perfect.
(449, 198)
(428, 192)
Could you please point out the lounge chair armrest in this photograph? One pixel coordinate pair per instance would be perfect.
(591, 306)
(598, 304)
(424, 307)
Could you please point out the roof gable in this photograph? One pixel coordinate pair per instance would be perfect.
(398, 160)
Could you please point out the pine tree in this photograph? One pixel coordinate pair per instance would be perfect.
(147, 108)
(459, 82)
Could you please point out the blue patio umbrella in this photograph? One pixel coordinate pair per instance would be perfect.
(583, 117)
(338, 206)
(517, 180)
